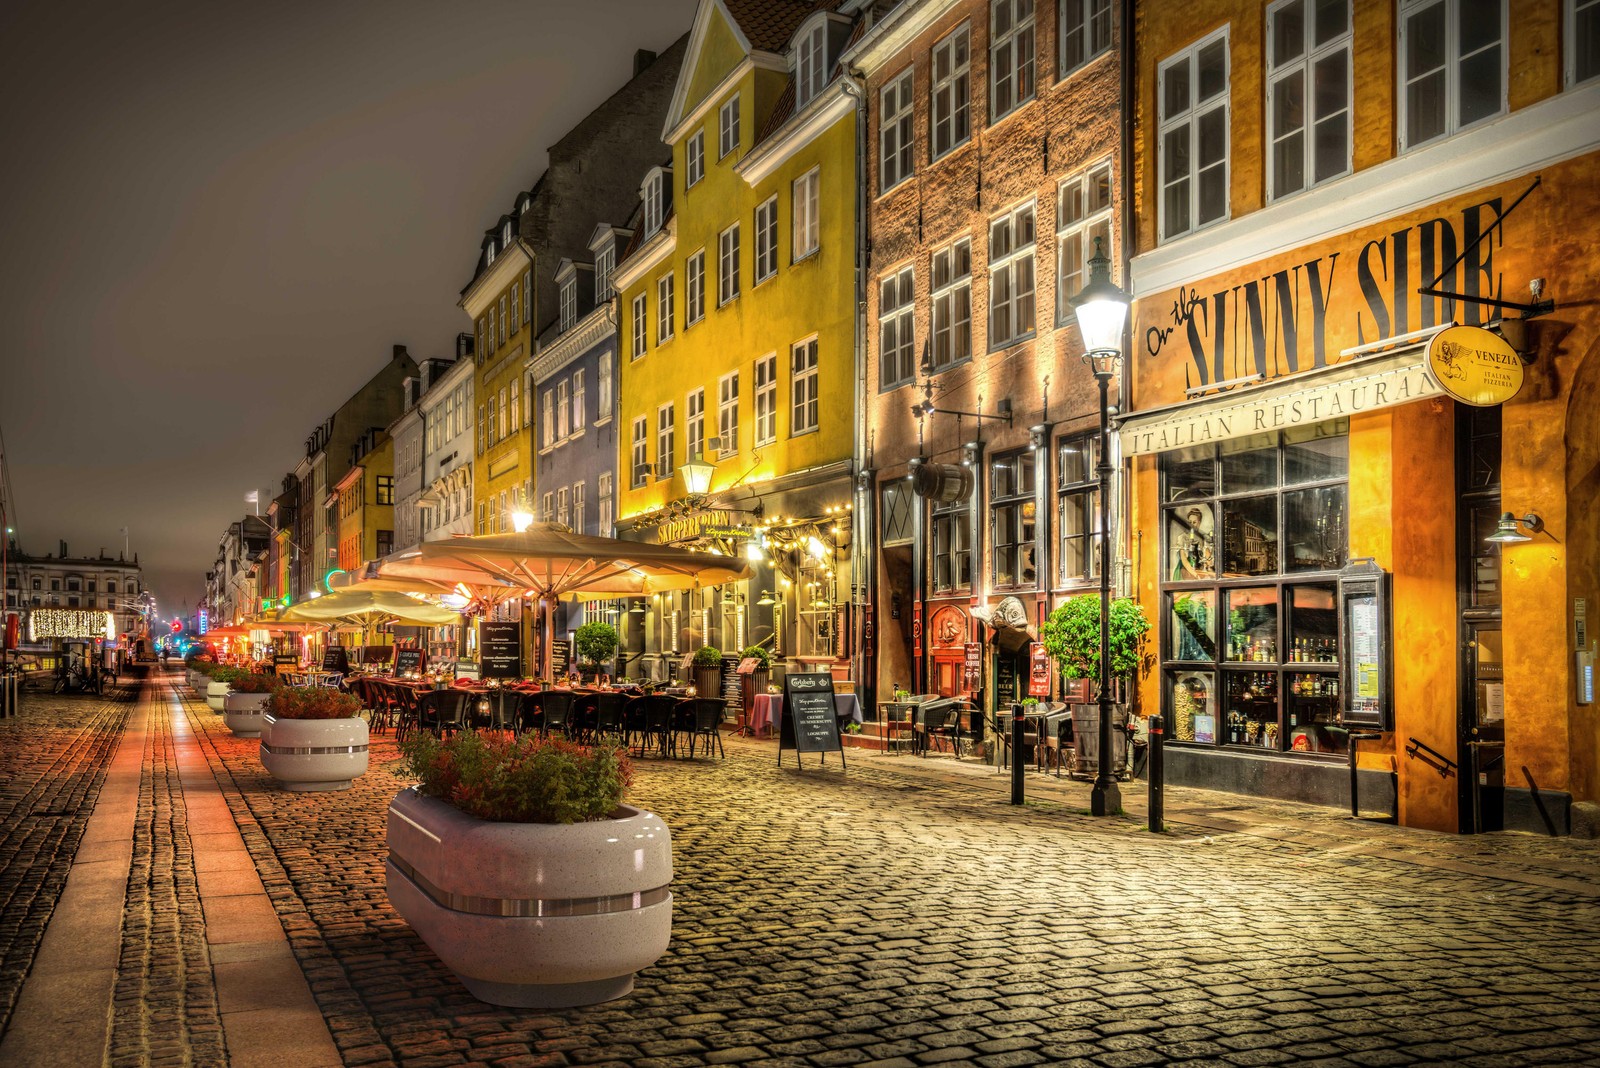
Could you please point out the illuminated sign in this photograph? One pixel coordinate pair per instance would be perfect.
(205, 621)
(327, 580)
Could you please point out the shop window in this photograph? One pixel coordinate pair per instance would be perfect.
(1013, 518)
(1254, 532)
(1452, 67)
(952, 547)
(1077, 511)
(1308, 93)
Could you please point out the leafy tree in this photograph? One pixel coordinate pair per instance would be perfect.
(1072, 636)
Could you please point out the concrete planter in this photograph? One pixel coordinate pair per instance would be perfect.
(242, 712)
(216, 693)
(533, 915)
(314, 754)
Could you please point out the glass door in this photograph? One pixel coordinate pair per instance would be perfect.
(1483, 762)
(1480, 736)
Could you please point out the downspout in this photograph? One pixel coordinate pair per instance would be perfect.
(863, 550)
(1124, 580)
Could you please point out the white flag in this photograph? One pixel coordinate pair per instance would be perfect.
(253, 497)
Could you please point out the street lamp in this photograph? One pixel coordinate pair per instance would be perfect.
(1102, 311)
(697, 477)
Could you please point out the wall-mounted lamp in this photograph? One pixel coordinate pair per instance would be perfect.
(637, 609)
(1506, 532)
(766, 598)
(697, 476)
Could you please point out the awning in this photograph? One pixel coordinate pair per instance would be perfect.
(1362, 383)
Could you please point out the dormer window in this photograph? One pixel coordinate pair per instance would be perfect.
(605, 260)
(810, 63)
(652, 203)
(569, 302)
(488, 254)
(505, 235)
(527, 202)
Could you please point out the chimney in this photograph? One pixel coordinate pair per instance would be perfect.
(63, 550)
(400, 352)
(642, 60)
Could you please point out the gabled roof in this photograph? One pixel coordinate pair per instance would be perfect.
(767, 25)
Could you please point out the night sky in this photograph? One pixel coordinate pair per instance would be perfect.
(218, 218)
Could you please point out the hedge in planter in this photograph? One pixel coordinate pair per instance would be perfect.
(313, 738)
(246, 704)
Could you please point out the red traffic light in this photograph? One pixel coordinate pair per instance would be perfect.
(176, 626)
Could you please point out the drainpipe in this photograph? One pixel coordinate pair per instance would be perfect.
(1124, 496)
(863, 549)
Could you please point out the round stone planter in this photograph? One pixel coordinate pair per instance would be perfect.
(216, 693)
(242, 712)
(314, 754)
(533, 915)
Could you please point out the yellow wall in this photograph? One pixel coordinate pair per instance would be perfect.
(505, 462)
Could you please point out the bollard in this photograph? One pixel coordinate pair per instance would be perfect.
(1156, 771)
(1017, 723)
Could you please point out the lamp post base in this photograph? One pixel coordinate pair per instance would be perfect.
(1105, 799)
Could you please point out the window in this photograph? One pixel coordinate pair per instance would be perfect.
(547, 508)
(1452, 66)
(603, 400)
(694, 159)
(896, 328)
(652, 203)
(804, 387)
(516, 314)
(605, 505)
(1077, 511)
(385, 543)
(482, 439)
(577, 507)
(547, 421)
(563, 516)
(810, 64)
(1011, 244)
(664, 306)
(579, 414)
(1254, 532)
(1012, 514)
(1194, 136)
(504, 322)
(728, 264)
(1308, 93)
(1085, 32)
(605, 262)
(516, 405)
(728, 413)
(492, 343)
(1583, 41)
(569, 303)
(894, 130)
(527, 293)
(483, 342)
(951, 545)
(639, 328)
(694, 289)
(1010, 55)
(951, 102)
(1083, 216)
(728, 126)
(767, 399)
(563, 410)
(695, 424)
(807, 234)
(502, 426)
(488, 254)
(952, 304)
(641, 450)
(766, 240)
(666, 440)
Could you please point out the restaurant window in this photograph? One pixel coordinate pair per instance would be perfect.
(1452, 67)
(1083, 216)
(767, 399)
(951, 546)
(804, 387)
(951, 97)
(766, 264)
(666, 440)
(894, 131)
(1194, 136)
(1010, 55)
(1583, 41)
(1254, 534)
(694, 289)
(1077, 511)
(695, 424)
(896, 328)
(1013, 517)
(1308, 93)
(1085, 32)
(385, 489)
(952, 304)
(1011, 247)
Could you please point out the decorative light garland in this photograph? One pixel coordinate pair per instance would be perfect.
(70, 623)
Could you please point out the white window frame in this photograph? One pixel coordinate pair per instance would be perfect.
(901, 318)
(516, 405)
(728, 126)
(666, 440)
(1453, 125)
(1189, 119)
(806, 209)
(766, 264)
(639, 474)
(950, 94)
(1088, 21)
(765, 397)
(895, 131)
(1075, 236)
(577, 507)
(488, 255)
(664, 308)
(569, 303)
(805, 401)
(603, 398)
(945, 311)
(563, 411)
(652, 203)
(516, 310)
(503, 321)
(728, 414)
(1569, 65)
(547, 509)
(603, 501)
(505, 234)
(563, 516)
(605, 261)
(694, 423)
(694, 159)
(1304, 67)
(527, 297)
(579, 415)
(1020, 36)
(1009, 263)
(694, 289)
(641, 328)
(810, 63)
(728, 265)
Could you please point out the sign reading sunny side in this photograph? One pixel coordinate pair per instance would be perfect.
(1475, 366)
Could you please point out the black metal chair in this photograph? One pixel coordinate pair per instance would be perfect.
(650, 718)
(530, 712)
(608, 715)
(445, 711)
(705, 721)
(583, 724)
(558, 706)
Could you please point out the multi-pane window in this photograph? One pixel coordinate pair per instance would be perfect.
(641, 450)
(666, 440)
(503, 426)
(694, 289)
(563, 516)
(766, 239)
(1085, 32)
(577, 507)
(804, 387)
(579, 415)
(527, 293)
(385, 489)
(547, 413)
(604, 261)
(951, 100)
(547, 510)
(951, 546)
(1254, 534)
(728, 413)
(1010, 55)
(766, 399)
(1452, 66)
(1308, 93)
(515, 406)
(952, 304)
(1583, 41)
(569, 303)
(664, 306)
(1194, 136)
(810, 64)
(640, 329)
(896, 328)
(1077, 511)
(563, 410)
(504, 322)
(728, 126)
(728, 264)
(1083, 216)
(807, 231)
(492, 343)
(894, 130)
(483, 340)
(516, 313)
(695, 424)
(602, 403)
(694, 159)
(1011, 247)
(1013, 514)
(603, 502)
(652, 204)
(385, 547)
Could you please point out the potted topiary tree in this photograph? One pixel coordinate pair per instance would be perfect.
(1071, 635)
(596, 645)
(758, 680)
(707, 665)
(313, 738)
(246, 704)
(517, 862)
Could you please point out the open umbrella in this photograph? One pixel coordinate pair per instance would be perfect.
(368, 607)
(548, 560)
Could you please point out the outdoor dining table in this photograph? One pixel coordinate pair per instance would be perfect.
(767, 711)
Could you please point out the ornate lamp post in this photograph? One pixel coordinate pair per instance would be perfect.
(1102, 311)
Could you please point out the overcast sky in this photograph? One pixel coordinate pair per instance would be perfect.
(216, 218)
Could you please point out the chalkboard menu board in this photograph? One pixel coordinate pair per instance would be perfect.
(500, 649)
(284, 663)
(376, 654)
(334, 658)
(809, 723)
(560, 657)
(407, 660)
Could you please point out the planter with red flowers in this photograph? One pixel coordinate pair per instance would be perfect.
(246, 704)
(313, 738)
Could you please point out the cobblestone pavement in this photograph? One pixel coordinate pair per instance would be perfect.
(53, 759)
(902, 914)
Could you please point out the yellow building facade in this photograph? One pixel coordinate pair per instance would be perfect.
(365, 500)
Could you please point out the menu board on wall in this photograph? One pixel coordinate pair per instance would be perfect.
(500, 645)
(1365, 648)
(809, 721)
(560, 657)
(1038, 671)
(285, 663)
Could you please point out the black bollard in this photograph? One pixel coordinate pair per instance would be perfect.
(1017, 723)
(1155, 770)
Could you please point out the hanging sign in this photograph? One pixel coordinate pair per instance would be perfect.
(1475, 366)
(809, 721)
(1038, 671)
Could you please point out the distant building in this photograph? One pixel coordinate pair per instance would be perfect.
(97, 583)
(445, 504)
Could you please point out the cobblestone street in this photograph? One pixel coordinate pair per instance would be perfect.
(898, 914)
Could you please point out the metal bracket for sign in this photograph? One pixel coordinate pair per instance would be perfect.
(1529, 311)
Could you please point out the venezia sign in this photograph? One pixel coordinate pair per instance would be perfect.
(1475, 366)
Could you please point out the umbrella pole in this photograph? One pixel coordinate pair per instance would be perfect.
(549, 635)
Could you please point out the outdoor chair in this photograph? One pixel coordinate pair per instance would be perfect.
(650, 719)
(896, 724)
(442, 711)
(581, 724)
(1000, 725)
(608, 716)
(705, 721)
(530, 711)
(558, 705)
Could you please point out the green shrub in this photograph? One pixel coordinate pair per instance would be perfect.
(248, 682)
(312, 702)
(707, 656)
(1071, 635)
(523, 780)
(760, 653)
(595, 643)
